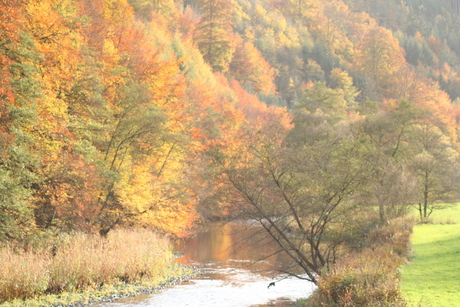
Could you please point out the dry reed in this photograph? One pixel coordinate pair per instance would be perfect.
(81, 261)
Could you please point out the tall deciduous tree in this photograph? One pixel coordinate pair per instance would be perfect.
(434, 164)
(385, 135)
(303, 191)
(380, 57)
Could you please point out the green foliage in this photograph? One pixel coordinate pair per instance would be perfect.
(433, 164)
(319, 96)
(323, 56)
(146, 8)
(417, 51)
(20, 160)
(213, 33)
(15, 216)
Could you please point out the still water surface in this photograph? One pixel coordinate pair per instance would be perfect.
(231, 275)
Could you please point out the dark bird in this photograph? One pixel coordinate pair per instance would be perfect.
(271, 284)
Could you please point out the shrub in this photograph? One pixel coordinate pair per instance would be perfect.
(369, 277)
(366, 279)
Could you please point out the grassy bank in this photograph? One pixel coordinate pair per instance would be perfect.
(432, 279)
(81, 267)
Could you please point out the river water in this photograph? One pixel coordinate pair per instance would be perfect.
(234, 272)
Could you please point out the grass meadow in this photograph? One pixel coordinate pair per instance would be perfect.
(432, 278)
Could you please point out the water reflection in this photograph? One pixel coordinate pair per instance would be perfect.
(241, 245)
(231, 276)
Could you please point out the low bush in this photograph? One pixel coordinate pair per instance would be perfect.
(371, 276)
(81, 261)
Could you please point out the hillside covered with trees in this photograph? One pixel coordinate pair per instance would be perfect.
(319, 118)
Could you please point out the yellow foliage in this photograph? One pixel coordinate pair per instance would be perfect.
(109, 51)
(153, 188)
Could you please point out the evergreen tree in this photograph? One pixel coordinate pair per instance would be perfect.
(214, 33)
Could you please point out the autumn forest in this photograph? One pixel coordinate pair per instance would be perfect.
(325, 120)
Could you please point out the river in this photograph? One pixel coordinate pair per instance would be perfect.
(234, 272)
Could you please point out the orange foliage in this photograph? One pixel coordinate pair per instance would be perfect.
(435, 44)
(8, 33)
(427, 95)
(127, 106)
(249, 67)
(359, 25)
(257, 112)
(380, 57)
(246, 124)
(67, 197)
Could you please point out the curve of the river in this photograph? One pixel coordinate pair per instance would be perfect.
(233, 273)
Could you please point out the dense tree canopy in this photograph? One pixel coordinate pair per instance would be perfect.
(143, 113)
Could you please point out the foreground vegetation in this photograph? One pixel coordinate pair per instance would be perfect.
(431, 279)
(123, 262)
(370, 276)
(396, 269)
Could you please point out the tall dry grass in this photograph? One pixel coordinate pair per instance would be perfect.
(81, 261)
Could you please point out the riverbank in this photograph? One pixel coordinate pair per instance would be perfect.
(80, 269)
(431, 279)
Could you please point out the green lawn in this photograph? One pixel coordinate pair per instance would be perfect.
(433, 277)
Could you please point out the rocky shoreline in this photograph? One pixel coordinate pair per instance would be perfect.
(128, 290)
